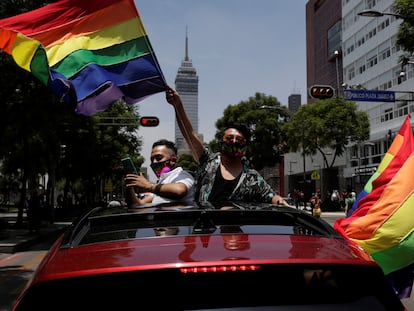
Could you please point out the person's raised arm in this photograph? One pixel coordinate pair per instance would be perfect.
(194, 142)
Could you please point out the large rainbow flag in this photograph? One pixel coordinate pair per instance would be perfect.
(89, 52)
(382, 218)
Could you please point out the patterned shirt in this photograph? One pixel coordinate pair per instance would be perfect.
(250, 188)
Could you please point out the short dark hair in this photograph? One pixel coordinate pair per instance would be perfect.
(167, 143)
(241, 127)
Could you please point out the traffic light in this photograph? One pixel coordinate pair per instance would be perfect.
(149, 121)
(321, 91)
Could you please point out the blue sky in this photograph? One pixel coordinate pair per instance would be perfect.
(238, 47)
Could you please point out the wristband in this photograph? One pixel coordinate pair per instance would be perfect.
(156, 188)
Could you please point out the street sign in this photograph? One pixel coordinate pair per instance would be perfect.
(315, 175)
(365, 170)
(369, 95)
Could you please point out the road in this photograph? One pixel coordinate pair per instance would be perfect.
(16, 269)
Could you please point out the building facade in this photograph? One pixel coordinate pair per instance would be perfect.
(367, 60)
(294, 102)
(186, 83)
(371, 62)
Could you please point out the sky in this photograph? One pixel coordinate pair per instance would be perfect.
(238, 48)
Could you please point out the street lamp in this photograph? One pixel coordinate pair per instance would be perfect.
(374, 13)
(337, 73)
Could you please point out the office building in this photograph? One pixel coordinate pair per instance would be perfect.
(367, 61)
(371, 63)
(186, 83)
(323, 67)
(294, 102)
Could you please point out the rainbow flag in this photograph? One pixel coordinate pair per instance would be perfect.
(88, 52)
(382, 219)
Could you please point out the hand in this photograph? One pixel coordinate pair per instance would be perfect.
(171, 95)
(133, 180)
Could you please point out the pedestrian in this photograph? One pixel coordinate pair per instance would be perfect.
(34, 210)
(225, 175)
(173, 184)
(296, 198)
(316, 203)
(349, 201)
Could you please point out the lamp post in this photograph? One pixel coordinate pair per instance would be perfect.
(290, 175)
(374, 13)
(337, 72)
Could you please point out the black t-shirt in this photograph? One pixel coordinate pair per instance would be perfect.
(222, 188)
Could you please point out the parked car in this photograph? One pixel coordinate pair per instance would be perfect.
(178, 257)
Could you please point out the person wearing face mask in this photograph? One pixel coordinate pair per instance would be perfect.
(174, 184)
(225, 175)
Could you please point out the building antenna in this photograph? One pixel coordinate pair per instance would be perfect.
(186, 44)
(295, 90)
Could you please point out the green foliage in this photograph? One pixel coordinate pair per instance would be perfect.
(330, 123)
(263, 115)
(405, 8)
(187, 162)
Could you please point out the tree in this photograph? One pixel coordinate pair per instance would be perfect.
(405, 9)
(187, 162)
(264, 116)
(41, 135)
(329, 123)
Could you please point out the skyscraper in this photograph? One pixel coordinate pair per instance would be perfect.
(186, 83)
(294, 102)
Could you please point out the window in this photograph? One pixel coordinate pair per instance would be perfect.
(334, 39)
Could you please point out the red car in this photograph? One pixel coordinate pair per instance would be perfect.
(176, 257)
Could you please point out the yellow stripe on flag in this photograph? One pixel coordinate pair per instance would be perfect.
(23, 51)
(110, 36)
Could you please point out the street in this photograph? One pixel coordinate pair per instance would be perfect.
(17, 268)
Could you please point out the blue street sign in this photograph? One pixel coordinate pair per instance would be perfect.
(369, 96)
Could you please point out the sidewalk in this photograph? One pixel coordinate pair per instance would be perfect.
(14, 239)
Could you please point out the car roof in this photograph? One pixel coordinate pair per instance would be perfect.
(156, 237)
(181, 257)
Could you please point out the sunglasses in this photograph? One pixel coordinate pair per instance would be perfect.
(231, 138)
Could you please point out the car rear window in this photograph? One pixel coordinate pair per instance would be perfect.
(104, 227)
(263, 287)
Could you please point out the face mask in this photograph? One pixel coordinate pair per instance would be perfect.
(233, 149)
(161, 167)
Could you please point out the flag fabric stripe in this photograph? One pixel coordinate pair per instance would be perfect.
(397, 256)
(387, 163)
(24, 50)
(92, 23)
(382, 221)
(60, 13)
(388, 199)
(398, 152)
(104, 57)
(102, 39)
(121, 74)
(7, 38)
(85, 50)
(389, 219)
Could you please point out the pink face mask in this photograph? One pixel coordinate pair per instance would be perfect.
(161, 167)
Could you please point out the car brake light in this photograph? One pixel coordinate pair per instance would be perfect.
(220, 268)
